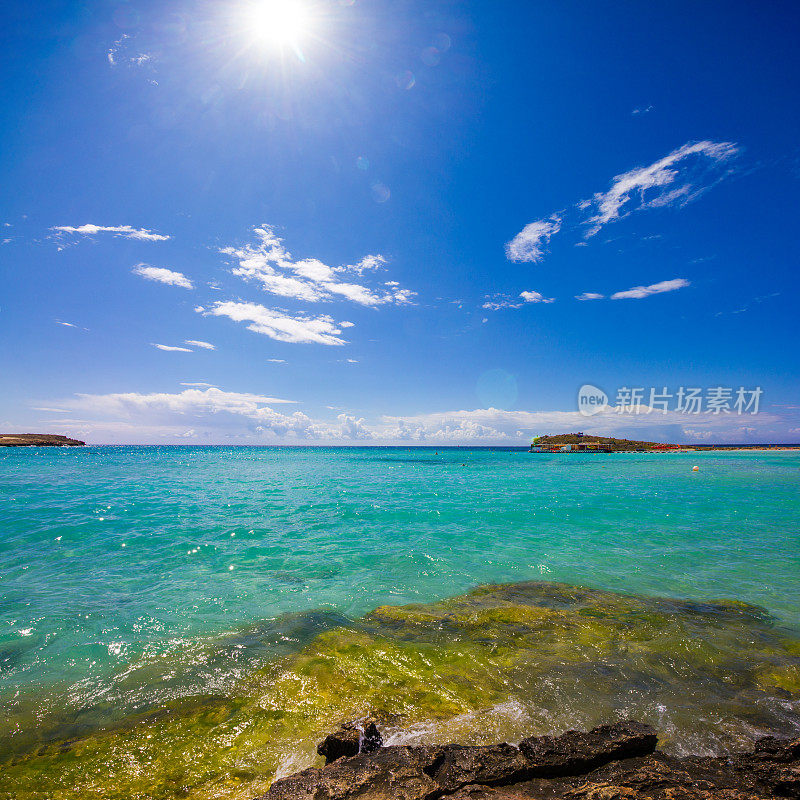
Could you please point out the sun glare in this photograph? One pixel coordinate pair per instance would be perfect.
(279, 22)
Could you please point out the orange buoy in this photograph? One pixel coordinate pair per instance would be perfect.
(695, 469)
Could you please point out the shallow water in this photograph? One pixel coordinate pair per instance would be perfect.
(190, 620)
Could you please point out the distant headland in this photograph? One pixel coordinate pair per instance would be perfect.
(37, 440)
(588, 443)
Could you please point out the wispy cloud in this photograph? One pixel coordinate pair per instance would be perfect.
(125, 231)
(638, 292)
(200, 385)
(270, 264)
(202, 345)
(163, 275)
(589, 296)
(674, 180)
(642, 110)
(497, 302)
(276, 360)
(171, 349)
(120, 53)
(70, 325)
(280, 325)
(529, 243)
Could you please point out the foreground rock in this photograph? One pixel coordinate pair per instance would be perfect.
(37, 440)
(350, 740)
(612, 762)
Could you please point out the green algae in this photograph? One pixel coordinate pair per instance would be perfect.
(500, 662)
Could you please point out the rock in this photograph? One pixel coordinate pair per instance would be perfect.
(372, 739)
(575, 753)
(350, 740)
(343, 743)
(611, 762)
(496, 764)
(391, 773)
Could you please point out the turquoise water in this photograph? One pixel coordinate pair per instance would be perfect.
(133, 575)
(105, 549)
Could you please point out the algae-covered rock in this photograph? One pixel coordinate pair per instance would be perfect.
(503, 662)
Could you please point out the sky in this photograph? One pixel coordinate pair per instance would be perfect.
(397, 221)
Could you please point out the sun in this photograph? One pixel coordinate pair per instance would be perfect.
(278, 22)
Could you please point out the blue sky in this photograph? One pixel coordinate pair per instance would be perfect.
(426, 222)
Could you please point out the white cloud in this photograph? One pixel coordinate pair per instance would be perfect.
(203, 345)
(200, 385)
(118, 54)
(589, 296)
(280, 325)
(114, 49)
(490, 425)
(66, 324)
(371, 262)
(535, 297)
(208, 414)
(171, 349)
(125, 231)
(165, 405)
(638, 292)
(271, 265)
(529, 243)
(163, 275)
(497, 302)
(352, 428)
(642, 110)
(670, 180)
(276, 360)
(675, 180)
(217, 415)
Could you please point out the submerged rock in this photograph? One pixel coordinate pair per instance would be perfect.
(497, 664)
(610, 762)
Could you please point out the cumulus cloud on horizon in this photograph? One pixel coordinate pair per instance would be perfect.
(241, 416)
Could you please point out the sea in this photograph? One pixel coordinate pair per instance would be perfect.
(189, 621)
